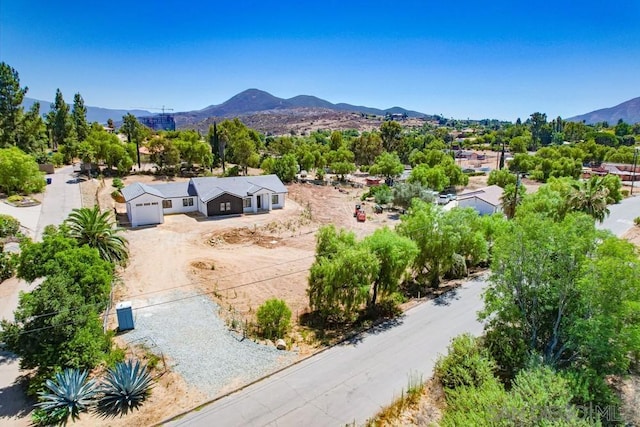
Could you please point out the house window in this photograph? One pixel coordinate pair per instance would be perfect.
(154, 203)
(138, 204)
(166, 204)
(246, 202)
(147, 204)
(187, 202)
(274, 199)
(225, 206)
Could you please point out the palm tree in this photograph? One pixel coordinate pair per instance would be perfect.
(589, 197)
(125, 388)
(70, 394)
(511, 199)
(92, 228)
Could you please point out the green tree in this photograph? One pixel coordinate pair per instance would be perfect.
(95, 229)
(286, 167)
(536, 264)
(387, 165)
(501, 178)
(11, 97)
(391, 135)
(430, 177)
(79, 118)
(19, 172)
(440, 235)
(405, 192)
(274, 317)
(590, 197)
(511, 198)
(340, 286)
(32, 137)
(60, 124)
(367, 147)
(394, 253)
(132, 129)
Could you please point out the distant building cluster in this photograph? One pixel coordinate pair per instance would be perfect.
(159, 122)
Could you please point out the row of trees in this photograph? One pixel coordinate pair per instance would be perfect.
(349, 276)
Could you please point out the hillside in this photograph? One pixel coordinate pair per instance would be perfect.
(628, 111)
(254, 101)
(94, 114)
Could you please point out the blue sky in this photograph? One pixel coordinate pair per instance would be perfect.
(465, 59)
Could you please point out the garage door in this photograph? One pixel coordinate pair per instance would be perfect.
(147, 213)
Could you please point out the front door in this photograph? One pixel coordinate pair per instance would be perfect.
(259, 201)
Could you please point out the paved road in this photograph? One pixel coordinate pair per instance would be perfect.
(351, 382)
(61, 196)
(621, 216)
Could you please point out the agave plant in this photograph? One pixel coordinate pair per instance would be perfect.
(70, 394)
(125, 387)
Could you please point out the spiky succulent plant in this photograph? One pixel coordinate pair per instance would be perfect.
(125, 387)
(69, 394)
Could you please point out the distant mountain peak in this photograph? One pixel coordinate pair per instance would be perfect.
(255, 100)
(628, 111)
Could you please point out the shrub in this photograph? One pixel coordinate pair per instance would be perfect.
(273, 318)
(7, 266)
(233, 171)
(458, 268)
(636, 221)
(117, 184)
(467, 364)
(57, 159)
(9, 226)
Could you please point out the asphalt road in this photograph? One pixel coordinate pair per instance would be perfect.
(60, 198)
(351, 382)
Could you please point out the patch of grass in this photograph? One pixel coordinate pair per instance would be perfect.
(389, 415)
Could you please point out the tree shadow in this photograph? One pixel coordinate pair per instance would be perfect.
(447, 297)
(376, 329)
(14, 402)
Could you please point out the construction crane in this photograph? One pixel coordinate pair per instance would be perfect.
(163, 109)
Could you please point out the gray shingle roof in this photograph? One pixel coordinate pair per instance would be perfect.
(239, 186)
(491, 194)
(207, 188)
(137, 189)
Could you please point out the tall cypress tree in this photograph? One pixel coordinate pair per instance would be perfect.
(79, 116)
(11, 97)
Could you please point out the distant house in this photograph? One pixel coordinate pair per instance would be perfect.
(147, 204)
(484, 200)
(621, 170)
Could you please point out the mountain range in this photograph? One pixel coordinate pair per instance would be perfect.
(254, 102)
(628, 111)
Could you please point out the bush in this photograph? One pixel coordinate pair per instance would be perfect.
(233, 171)
(7, 266)
(274, 318)
(636, 221)
(458, 268)
(468, 364)
(9, 226)
(57, 159)
(117, 184)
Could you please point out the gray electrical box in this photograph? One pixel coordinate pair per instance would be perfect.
(125, 316)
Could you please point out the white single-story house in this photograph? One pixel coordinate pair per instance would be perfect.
(484, 200)
(147, 204)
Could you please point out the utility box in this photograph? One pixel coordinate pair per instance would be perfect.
(125, 316)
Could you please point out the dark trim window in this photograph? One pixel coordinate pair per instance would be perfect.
(246, 202)
(187, 202)
(225, 206)
(167, 204)
(274, 199)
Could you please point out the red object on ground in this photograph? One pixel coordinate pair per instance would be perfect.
(361, 216)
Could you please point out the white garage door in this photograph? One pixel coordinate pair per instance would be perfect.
(147, 213)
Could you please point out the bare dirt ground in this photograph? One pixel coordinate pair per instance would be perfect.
(239, 262)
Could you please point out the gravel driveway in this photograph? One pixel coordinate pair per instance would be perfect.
(198, 345)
